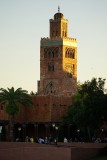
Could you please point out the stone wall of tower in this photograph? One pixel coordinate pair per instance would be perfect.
(63, 84)
(61, 79)
(58, 26)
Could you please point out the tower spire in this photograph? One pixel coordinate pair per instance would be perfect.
(58, 9)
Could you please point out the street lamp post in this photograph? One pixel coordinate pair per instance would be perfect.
(19, 130)
(56, 128)
(56, 133)
(78, 135)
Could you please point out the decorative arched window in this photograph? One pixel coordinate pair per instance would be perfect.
(70, 53)
(52, 52)
(50, 67)
(50, 88)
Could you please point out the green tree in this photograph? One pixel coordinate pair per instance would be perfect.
(12, 100)
(88, 107)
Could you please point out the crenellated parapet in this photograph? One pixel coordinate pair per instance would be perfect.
(59, 38)
(68, 38)
(52, 20)
(54, 41)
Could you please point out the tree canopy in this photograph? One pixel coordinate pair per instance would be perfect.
(89, 107)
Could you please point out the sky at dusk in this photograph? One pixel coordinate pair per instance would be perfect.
(24, 22)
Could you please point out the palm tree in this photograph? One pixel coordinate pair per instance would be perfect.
(12, 100)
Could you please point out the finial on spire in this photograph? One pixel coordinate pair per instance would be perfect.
(58, 9)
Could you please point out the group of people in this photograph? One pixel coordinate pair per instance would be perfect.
(37, 140)
(52, 140)
(29, 139)
(46, 140)
(99, 140)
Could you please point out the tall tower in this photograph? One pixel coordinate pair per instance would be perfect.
(58, 60)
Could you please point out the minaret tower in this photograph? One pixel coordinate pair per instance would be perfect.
(58, 60)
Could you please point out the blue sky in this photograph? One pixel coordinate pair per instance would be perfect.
(24, 22)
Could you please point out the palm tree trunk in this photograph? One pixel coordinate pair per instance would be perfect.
(11, 127)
